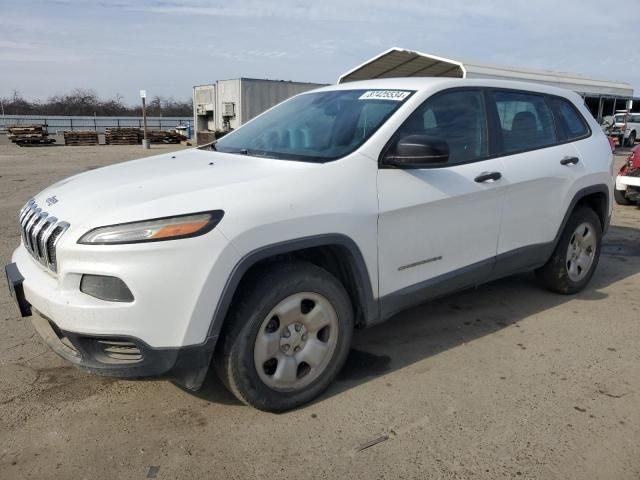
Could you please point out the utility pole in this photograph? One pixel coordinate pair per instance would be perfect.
(145, 140)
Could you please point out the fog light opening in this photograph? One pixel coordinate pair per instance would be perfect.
(111, 289)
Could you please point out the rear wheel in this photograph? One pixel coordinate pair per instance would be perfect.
(287, 337)
(576, 256)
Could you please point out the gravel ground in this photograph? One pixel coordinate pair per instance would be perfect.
(505, 381)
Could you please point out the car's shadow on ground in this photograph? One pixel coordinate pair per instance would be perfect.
(460, 318)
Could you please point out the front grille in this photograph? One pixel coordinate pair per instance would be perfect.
(40, 234)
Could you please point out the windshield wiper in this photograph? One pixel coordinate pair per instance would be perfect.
(255, 153)
(258, 153)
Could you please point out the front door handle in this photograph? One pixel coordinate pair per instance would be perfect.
(569, 160)
(486, 176)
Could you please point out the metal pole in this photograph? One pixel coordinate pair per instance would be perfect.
(145, 141)
(600, 109)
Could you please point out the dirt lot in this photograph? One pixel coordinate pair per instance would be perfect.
(506, 381)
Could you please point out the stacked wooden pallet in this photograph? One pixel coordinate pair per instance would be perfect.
(29, 135)
(160, 136)
(123, 136)
(80, 138)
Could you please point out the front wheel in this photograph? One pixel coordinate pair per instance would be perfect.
(576, 255)
(287, 336)
(621, 198)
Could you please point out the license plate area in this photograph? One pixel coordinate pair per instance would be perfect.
(15, 281)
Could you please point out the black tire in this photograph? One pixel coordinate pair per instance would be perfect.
(554, 274)
(234, 356)
(631, 141)
(620, 197)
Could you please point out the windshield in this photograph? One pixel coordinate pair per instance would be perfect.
(619, 118)
(315, 127)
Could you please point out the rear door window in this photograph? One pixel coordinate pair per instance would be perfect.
(571, 124)
(525, 120)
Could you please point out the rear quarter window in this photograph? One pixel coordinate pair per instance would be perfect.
(571, 123)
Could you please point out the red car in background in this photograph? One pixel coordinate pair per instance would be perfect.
(627, 191)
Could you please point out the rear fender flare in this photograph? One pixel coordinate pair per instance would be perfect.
(579, 195)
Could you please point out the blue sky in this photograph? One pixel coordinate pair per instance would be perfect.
(118, 47)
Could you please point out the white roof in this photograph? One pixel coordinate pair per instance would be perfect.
(430, 84)
(398, 62)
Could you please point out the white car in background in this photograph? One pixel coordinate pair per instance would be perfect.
(334, 210)
(626, 128)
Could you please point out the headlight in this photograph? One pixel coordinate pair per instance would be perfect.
(154, 230)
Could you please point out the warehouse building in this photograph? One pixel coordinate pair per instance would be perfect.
(227, 104)
(602, 97)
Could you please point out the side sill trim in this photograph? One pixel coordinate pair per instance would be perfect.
(441, 285)
(508, 263)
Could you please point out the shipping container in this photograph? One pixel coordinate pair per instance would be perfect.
(227, 104)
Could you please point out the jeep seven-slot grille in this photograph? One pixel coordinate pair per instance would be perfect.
(40, 234)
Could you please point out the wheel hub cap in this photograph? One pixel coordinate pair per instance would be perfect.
(296, 342)
(581, 252)
(293, 338)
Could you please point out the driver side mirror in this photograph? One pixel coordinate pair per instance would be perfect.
(417, 151)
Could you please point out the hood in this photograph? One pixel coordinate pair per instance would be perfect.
(185, 181)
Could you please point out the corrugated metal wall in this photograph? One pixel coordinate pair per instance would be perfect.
(260, 95)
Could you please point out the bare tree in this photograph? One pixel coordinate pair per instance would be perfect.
(82, 101)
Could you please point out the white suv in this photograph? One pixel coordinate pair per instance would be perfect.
(334, 210)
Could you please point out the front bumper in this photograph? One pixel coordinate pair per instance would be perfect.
(163, 332)
(128, 357)
(630, 186)
(175, 287)
(624, 181)
(116, 356)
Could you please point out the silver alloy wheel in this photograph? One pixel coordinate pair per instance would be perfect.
(581, 252)
(296, 341)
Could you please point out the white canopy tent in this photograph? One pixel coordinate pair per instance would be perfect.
(398, 62)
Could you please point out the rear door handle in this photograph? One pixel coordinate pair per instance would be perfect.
(486, 176)
(569, 160)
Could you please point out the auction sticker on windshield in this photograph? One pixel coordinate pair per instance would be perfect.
(395, 95)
